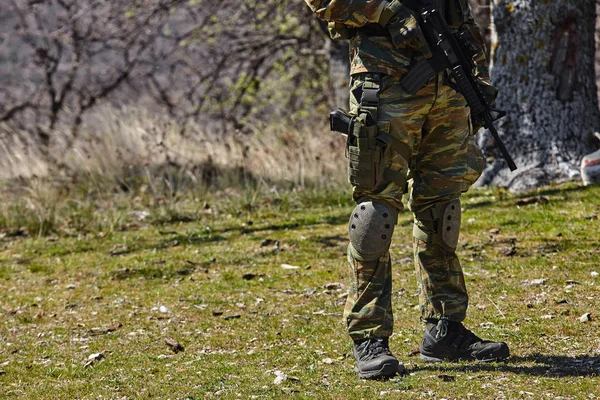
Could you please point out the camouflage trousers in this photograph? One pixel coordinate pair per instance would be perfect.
(443, 160)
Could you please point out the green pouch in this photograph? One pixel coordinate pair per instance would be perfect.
(365, 155)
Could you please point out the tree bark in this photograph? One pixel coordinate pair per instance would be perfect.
(543, 64)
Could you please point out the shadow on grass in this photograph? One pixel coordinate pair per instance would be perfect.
(338, 219)
(511, 201)
(551, 366)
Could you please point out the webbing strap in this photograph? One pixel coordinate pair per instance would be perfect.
(369, 101)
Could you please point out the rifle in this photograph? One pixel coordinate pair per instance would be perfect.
(453, 52)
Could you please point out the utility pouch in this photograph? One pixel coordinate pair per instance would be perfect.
(338, 31)
(365, 154)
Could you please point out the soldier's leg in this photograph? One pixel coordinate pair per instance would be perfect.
(440, 175)
(400, 118)
(368, 311)
(440, 168)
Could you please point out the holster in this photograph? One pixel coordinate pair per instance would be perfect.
(365, 153)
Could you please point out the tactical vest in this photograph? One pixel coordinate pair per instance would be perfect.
(455, 11)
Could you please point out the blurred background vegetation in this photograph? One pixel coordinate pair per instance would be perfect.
(167, 99)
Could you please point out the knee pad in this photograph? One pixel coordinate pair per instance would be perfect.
(441, 225)
(370, 229)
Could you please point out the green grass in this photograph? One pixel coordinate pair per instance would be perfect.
(215, 264)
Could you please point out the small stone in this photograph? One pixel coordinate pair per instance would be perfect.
(174, 345)
(71, 286)
(280, 377)
(288, 266)
(328, 361)
(594, 274)
(585, 318)
(547, 316)
(163, 310)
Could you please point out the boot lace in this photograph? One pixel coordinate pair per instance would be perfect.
(372, 348)
(463, 338)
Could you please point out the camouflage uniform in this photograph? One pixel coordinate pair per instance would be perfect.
(431, 140)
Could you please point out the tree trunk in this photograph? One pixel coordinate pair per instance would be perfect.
(543, 64)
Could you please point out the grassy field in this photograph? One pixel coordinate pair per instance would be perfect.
(240, 296)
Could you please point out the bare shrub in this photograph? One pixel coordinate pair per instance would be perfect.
(224, 64)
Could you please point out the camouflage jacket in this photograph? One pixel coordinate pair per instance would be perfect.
(374, 52)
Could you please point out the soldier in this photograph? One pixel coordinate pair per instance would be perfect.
(427, 137)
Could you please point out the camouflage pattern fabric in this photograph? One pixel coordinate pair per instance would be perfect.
(434, 126)
(376, 53)
(433, 144)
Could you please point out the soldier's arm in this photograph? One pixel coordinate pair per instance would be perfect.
(354, 13)
(481, 63)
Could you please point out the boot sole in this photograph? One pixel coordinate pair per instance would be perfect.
(387, 370)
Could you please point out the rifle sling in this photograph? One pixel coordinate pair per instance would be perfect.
(420, 73)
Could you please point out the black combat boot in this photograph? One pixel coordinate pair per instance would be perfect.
(374, 360)
(446, 340)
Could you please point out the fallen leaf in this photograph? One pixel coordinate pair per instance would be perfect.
(267, 242)
(494, 231)
(174, 345)
(249, 276)
(447, 378)
(103, 331)
(414, 352)
(547, 316)
(509, 252)
(534, 282)
(328, 361)
(334, 286)
(288, 266)
(92, 358)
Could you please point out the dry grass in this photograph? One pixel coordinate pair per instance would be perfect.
(130, 159)
(116, 141)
